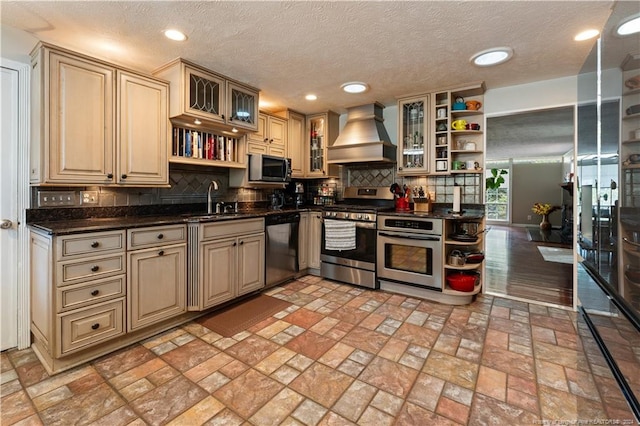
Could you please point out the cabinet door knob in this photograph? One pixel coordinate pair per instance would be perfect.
(95, 268)
(266, 140)
(95, 292)
(160, 236)
(95, 244)
(123, 176)
(235, 244)
(95, 326)
(241, 242)
(110, 176)
(222, 116)
(161, 253)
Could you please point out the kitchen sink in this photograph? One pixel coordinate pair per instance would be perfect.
(212, 216)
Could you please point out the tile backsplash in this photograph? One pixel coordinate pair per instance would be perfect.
(189, 185)
(440, 186)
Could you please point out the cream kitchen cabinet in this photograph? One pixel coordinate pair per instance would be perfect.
(303, 241)
(227, 261)
(95, 123)
(157, 278)
(271, 137)
(322, 132)
(295, 141)
(202, 97)
(78, 292)
(413, 135)
(315, 241)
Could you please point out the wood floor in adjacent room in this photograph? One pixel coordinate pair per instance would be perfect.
(515, 267)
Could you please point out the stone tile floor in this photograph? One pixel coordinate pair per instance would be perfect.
(340, 355)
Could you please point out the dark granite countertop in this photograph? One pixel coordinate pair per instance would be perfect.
(65, 226)
(466, 214)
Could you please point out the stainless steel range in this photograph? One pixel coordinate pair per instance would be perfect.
(348, 252)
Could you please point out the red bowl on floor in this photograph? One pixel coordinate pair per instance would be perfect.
(462, 281)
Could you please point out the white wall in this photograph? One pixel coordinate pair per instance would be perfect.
(531, 96)
(16, 44)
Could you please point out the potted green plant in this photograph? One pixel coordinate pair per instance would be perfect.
(495, 180)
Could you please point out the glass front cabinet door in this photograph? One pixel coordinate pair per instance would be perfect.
(243, 106)
(205, 95)
(316, 145)
(413, 135)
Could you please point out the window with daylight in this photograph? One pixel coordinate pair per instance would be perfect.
(497, 200)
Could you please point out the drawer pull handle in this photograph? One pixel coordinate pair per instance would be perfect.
(95, 268)
(160, 236)
(123, 176)
(95, 292)
(95, 326)
(110, 176)
(95, 244)
(161, 253)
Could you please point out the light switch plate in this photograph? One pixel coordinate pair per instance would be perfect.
(56, 198)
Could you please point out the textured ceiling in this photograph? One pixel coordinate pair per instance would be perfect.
(288, 49)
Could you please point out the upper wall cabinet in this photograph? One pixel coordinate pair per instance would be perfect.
(96, 124)
(271, 137)
(198, 94)
(440, 133)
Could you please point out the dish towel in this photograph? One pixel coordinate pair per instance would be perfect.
(339, 235)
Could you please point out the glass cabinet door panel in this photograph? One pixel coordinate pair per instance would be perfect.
(244, 107)
(412, 135)
(205, 94)
(316, 145)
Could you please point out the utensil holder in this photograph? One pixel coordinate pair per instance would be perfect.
(402, 204)
(422, 205)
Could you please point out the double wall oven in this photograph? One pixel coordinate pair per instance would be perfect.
(409, 251)
(349, 234)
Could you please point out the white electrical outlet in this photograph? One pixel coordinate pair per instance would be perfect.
(89, 197)
(528, 217)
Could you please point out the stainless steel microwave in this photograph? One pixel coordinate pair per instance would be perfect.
(269, 168)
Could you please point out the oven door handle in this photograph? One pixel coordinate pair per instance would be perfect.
(409, 237)
(365, 225)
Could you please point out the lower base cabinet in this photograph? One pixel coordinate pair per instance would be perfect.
(157, 284)
(227, 261)
(315, 241)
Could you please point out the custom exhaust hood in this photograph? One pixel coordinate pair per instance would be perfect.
(363, 139)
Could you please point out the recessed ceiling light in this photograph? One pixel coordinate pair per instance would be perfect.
(311, 97)
(494, 56)
(629, 26)
(586, 35)
(355, 87)
(175, 35)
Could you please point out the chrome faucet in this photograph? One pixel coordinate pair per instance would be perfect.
(213, 185)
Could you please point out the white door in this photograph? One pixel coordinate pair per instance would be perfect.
(9, 209)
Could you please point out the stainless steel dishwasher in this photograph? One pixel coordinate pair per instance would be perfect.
(281, 231)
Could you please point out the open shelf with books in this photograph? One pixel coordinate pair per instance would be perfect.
(206, 148)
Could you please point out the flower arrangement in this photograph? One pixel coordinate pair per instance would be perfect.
(543, 209)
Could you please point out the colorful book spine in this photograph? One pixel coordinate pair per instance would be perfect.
(187, 145)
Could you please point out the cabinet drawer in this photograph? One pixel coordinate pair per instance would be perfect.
(89, 269)
(81, 295)
(227, 228)
(84, 327)
(89, 244)
(156, 236)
